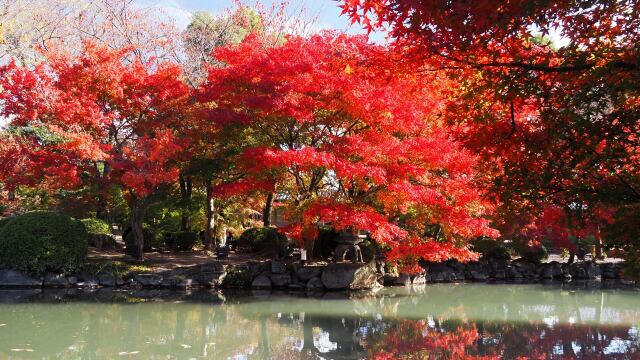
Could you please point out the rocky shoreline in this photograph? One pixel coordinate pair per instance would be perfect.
(323, 277)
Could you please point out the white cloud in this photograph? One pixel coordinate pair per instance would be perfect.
(172, 9)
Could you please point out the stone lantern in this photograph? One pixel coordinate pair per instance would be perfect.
(348, 240)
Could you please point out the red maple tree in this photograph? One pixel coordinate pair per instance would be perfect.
(549, 92)
(94, 120)
(346, 138)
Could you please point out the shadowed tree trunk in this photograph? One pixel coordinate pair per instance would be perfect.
(264, 338)
(138, 210)
(210, 212)
(101, 206)
(266, 214)
(185, 193)
(308, 350)
(599, 252)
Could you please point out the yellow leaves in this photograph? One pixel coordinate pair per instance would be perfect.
(347, 70)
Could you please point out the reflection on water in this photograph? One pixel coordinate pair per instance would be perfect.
(462, 321)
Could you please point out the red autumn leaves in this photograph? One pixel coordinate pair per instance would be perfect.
(350, 143)
(325, 122)
(73, 112)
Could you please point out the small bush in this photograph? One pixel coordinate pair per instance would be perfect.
(181, 241)
(238, 278)
(534, 253)
(262, 239)
(96, 226)
(43, 241)
(491, 249)
(100, 234)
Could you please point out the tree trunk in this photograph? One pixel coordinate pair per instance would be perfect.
(599, 252)
(210, 211)
(185, 192)
(266, 214)
(138, 209)
(101, 207)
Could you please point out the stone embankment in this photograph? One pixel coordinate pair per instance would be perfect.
(333, 276)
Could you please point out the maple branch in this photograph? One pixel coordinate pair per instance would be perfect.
(513, 120)
(537, 67)
(629, 186)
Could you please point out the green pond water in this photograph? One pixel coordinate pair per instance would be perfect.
(447, 321)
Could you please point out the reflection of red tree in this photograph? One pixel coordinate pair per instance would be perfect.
(411, 339)
(540, 341)
(416, 339)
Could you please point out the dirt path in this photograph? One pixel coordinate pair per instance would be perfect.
(160, 261)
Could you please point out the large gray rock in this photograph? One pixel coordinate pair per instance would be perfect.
(261, 282)
(211, 279)
(442, 273)
(186, 284)
(611, 271)
(169, 282)
(103, 241)
(513, 274)
(108, 280)
(419, 279)
(340, 276)
(211, 274)
(297, 286)
(552, 270)
(455, 265)
(593, 270)
(88, 282)
(402, 280)
(476, 271)
(499, 275)
(478, 276)
(280, 280)
(315, 284)
(214, 266)
(306, 273)
(149, 280)
(585, 270)
(55, 280)
(278, 267)
(13, 278)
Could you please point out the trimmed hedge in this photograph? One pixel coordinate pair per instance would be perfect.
(262, 239)
(43, 241)
(4, 221)
(96, 226)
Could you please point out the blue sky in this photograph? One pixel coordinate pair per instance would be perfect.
(327, 11)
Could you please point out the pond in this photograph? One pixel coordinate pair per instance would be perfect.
(442, 321)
